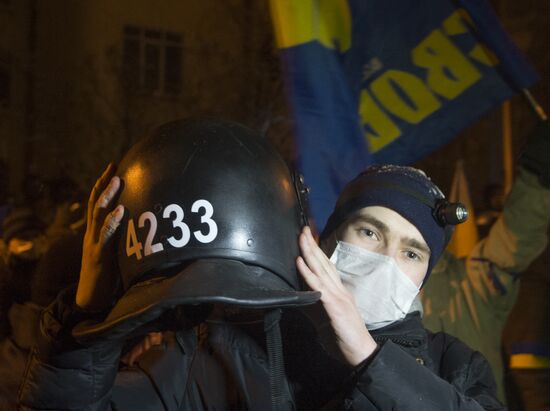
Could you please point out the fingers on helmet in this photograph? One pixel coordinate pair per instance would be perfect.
(98, 188)
(111, 224)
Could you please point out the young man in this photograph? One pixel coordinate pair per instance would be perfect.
(388, 229)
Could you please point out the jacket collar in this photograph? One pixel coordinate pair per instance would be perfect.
(408, 332)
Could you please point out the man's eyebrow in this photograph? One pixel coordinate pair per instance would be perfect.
(372, 220)
(413, 242)
(408, 241)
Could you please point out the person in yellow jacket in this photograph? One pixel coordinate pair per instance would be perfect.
(471, 297)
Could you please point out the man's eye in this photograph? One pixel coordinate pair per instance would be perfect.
(369, 233)
(412, 255)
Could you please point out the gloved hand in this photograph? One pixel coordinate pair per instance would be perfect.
(535, 156)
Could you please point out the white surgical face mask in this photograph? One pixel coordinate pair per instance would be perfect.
(383, 293)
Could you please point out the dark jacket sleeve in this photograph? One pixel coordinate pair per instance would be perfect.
(62, 374)
(393, 379)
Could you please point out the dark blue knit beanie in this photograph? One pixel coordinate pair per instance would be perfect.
(405, 190)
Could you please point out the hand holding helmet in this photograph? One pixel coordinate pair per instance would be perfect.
(98, 278)
(353, 339)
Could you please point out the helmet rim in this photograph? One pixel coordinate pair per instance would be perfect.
(198, 283)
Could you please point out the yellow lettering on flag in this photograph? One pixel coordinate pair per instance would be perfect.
(450, 73)
(385, 130)
(455, 25)
(421, 102)
(301, 21)
(465, 236)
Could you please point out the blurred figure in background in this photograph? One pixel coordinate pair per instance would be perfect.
(40, 253)
(526, 341)
(471, 298)
(23, 245)
(57, 269)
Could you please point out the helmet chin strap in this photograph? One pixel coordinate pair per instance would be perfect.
(280, 398)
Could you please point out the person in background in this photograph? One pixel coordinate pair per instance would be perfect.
(471, 298)
(22, 246)
(56, 270)
(526, 341)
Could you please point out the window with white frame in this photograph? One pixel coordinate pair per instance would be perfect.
(152, 60)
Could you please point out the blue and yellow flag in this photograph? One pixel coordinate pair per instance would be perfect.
(387, 81)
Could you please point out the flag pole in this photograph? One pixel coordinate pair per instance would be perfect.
(507, 155)
(535, 106)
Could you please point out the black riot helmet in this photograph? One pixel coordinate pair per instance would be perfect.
(212, 215)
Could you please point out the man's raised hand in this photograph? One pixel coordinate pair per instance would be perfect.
(98, 278)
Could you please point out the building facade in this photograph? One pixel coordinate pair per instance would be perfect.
(104, 73)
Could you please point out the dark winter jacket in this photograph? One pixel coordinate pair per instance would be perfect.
(224, 367)
(418, 370)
